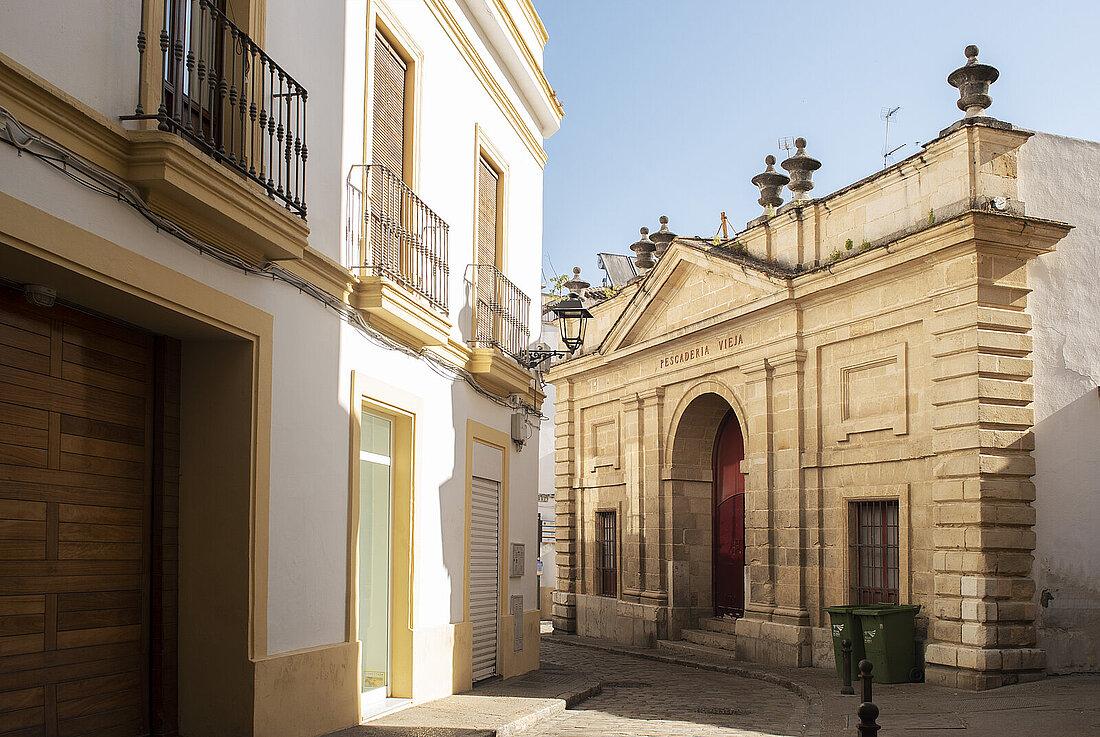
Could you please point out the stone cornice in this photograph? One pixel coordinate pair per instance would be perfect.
(989, 232)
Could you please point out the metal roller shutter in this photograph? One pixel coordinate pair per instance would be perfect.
(485, 575)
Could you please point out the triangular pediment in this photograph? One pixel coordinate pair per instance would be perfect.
(688, 287)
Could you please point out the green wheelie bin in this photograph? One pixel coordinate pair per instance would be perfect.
(889, 634)
(846, 626)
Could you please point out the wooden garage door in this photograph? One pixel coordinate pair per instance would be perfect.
(76, 518)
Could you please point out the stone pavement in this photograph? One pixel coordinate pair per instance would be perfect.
(641, 697)
(616, 691)
(1067, 706)
(500, 708)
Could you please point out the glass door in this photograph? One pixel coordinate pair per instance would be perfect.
(375, 494)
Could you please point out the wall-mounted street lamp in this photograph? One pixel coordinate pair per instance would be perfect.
(572, 319)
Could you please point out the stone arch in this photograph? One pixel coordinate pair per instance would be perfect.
(688, 490)
(697, 390)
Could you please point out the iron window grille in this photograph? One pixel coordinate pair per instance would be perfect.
(222, 92)
(607, 579)
(390, 232)
(876, 552)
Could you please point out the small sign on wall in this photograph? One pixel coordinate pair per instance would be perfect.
(515, 570)
(515, 608)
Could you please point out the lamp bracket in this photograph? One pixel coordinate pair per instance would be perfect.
(531, 359)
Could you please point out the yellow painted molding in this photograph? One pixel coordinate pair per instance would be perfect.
(324, 273)
(386, 22)
(498, 373)
(61, 117)
(401, 534)
(532, 63)
(453, 351)
(477, 432)
(179, 182)
(400, 314)
(307, 692)
(535, 20)
(517, 662)
(481, 70)
(485, 149)
(212, 201)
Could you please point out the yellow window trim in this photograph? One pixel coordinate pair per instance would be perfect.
(402, 538)
(485, 150)
(386, 23)
(477, 432)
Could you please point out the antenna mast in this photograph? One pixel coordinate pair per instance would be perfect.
(887, 152)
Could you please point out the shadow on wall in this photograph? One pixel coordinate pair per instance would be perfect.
(1067, 567)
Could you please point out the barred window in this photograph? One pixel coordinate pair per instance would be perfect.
(606, 569)
(875, 552)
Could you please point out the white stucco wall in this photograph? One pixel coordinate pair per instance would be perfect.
(1058, 180)
(314, 353)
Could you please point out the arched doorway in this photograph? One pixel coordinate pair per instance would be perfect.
(728, 561)
(706, 436)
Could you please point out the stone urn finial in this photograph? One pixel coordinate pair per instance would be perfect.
(770, 182)
(663, 237)
(644, 248)
(801, 168)
(576, 285)
(972, 80)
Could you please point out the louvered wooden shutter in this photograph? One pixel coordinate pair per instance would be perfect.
(389, 107)
(488, 326)
(486, 214)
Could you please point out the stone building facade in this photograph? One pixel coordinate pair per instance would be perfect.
(874, 345)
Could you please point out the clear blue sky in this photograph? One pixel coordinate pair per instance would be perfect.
(671, 105)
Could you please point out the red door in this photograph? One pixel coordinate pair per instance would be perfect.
(729, 520)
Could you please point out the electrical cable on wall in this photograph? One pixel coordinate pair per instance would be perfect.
(103, 182)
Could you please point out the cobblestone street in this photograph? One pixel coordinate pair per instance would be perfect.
(645, 698)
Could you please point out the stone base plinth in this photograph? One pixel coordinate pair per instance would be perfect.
(563, 612)
(622, 622)
(774, 643)
(978, 669)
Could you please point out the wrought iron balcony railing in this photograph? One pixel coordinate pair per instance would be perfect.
(224, 94)
(502, 314)
(391, 232)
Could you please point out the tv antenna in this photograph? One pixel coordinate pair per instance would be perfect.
(887, 114)
(787, 143)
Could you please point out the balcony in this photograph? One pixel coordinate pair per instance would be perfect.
(227, 154)
(399, 249)
(501, 328)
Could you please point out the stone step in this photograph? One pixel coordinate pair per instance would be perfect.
(696, 653)
(726, 625)
(718, 640)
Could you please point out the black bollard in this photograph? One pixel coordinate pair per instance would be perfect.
(846, 663)
(865, 676)
(867, 711)
(867, 726)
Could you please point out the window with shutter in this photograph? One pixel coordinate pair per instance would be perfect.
(875, 541)
(487, 185)
(388, 124)
(488, 252)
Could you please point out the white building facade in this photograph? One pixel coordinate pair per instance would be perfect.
(258, 474)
